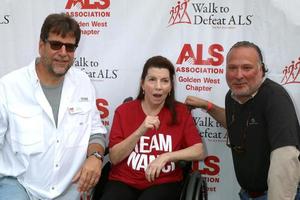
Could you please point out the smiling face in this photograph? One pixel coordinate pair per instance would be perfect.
(156, 86)
(56, 62)
(244, 72)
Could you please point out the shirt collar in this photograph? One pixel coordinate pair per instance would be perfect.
(32, 72)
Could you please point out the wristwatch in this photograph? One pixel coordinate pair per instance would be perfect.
(97, 154)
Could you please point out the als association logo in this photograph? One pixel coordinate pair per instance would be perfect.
(92, 16)
(86, 4)
(195, 65)
(179, 13)
(291, 73)
(214, 50)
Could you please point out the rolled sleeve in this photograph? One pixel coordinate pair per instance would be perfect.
(98, 139)
(98, 130)
(3, 117)
(3, 126)
(284, 173)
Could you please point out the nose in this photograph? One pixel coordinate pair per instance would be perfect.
(158, 84)
(239, 73)
(63, 50)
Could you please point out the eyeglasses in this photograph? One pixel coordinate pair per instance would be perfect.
(56, 45)
(239, 148)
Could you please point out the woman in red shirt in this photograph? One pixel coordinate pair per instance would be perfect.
(148, 136)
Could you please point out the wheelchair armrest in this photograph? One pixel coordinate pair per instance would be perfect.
(194, 187)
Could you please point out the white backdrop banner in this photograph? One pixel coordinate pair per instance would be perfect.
(119, 36)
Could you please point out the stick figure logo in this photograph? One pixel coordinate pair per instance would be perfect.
(179, 14)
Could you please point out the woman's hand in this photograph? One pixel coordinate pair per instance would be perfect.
(154, 168)
(150, 122)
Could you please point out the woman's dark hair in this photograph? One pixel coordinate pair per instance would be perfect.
(254, 46)
(164, 63)
(60, 24)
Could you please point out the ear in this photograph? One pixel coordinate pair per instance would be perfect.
(41, 46)
(142, 84)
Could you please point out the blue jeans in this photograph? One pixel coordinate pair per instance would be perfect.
(298, 193)
(10, 188)
(244, 196)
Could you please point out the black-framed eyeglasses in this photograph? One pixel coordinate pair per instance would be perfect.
(239, 148)
(57, 45)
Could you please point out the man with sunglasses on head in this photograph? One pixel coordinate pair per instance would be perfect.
(262, 126)
(51, 135)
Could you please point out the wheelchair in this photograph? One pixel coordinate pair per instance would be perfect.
(194, 185)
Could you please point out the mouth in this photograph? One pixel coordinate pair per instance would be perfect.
(239, 84)
(157, 95)
(61, 61)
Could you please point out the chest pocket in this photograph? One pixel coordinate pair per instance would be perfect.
(26, 128)
(78, 124)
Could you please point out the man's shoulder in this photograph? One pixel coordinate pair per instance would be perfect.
(228, 96)
(16, 75)
(273, 87)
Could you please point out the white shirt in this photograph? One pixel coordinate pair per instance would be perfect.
(45, 158)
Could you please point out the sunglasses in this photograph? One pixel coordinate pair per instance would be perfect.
(239, 148)
(56, 45)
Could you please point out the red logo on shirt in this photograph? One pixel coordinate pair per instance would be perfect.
(142, 155)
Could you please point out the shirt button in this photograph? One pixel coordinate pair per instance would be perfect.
(57, 141)
(56, 165)
(52, 188)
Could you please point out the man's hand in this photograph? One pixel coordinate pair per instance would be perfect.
(89, 174)
(195, 102)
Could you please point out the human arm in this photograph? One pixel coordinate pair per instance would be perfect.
(194, 152)
(284, 173)
(3, 117)
(120, 151)
(3, 126)
(283, 133)
(90, 172)
(190, 145)
(218, 113)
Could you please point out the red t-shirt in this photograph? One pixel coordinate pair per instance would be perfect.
(128, 117)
